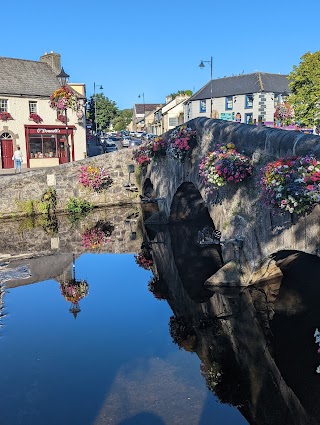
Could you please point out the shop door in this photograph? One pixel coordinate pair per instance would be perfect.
(63, 152)
(7, 153)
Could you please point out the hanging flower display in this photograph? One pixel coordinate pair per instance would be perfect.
(142, 156)
(95, 178)
(284, 113)
(94, 238)
(63, 98)
(291, 184)
(224, 165)
(151, 150)
(144, 259)
(74, 290)
(158, 148)
(36, 118)
(181, 142)
(5, 116)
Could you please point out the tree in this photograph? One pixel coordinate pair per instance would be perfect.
(305, 87)
(122, 120)
(181, 93)
(104, 110)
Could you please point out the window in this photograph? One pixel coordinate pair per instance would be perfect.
(173, 121)
(249, 101)
(33, 107)
(44, 146)
(229, 102)
(248, 119)
(203, 106)
(276, 99)
(3, 105)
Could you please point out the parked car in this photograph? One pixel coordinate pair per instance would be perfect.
(109, 147)
(135, 143)
(125, 142)
(139, 134)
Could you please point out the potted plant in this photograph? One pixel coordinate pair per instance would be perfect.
(35, 117)
(5, 116)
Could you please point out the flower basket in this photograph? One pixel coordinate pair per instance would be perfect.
(74, 290)
(142, 156)
(158, 148)
(224, 165)
(291, 184)
(144, 260)
(5, 116)
(181, 142)
(63, 98)
(284, 114)
(95, 178)
(36, 118)
(62, 118)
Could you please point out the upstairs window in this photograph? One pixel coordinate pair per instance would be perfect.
(3, 105)
(33, 107)
(173, 121)
(229, 102)
(249, 101)
(276, 99)
(203, 106)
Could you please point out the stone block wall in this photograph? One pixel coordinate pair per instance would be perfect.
(19, 190)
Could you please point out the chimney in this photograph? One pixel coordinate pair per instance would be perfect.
(53, 60)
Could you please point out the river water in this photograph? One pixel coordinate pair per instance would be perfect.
(92, 334)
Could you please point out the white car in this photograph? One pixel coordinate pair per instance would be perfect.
(125, 142)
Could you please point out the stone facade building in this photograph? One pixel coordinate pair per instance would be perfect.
(28, 121)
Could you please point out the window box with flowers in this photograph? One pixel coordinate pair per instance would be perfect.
(36, 118)
(291, 184)
(222, 166)
(181, 142)
(5, 116)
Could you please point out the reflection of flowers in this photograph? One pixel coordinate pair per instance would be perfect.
(183, 333)
(95, 178)
(158, 288)
(144, 259)
(97, 236)
(291, 184)
(224, 165)
(181, 142)
(74, 290)
(63, 98)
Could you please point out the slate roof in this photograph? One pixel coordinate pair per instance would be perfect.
(26, 78)
(243, 84)
(147, 107)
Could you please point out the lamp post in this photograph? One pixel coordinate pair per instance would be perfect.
(95, 107)
(202, 65)
(144, 110)
(63, 80)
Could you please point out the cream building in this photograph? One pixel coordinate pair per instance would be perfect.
(43, 135)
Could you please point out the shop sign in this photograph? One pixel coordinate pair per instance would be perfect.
(48, 130)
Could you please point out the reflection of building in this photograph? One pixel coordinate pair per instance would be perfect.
(25, 90)
(246, 98)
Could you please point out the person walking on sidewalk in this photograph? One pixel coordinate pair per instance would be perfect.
(17, 158)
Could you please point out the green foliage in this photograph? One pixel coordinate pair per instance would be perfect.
(122, 120)
(105, 109)
(49, 201)
(305, 87)
(78, 208)
(181, 93)
(27, 207)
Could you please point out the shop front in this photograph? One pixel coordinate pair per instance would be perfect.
(47, 146)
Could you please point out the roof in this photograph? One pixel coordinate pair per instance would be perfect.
(142, 108)
(26, 78)
(243, 84)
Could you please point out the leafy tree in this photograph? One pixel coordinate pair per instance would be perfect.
(305, 87)
(104, 109)
(181, 93)
(123, 119)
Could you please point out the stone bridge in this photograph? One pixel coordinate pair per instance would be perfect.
(251, 233)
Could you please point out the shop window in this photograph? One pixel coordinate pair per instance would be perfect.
(33, 107)
(43, 147)
(249, 101)
(229, 102)
(203, 106)
(3, 105)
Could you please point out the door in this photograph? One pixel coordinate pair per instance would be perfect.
(63, 151)
(6, 153)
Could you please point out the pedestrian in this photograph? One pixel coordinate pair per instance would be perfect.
(17, 158)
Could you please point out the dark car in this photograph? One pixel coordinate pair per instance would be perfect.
(109, 147)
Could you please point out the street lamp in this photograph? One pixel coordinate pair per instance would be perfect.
(144, 110)
(63, 80)
(95, 106)
(202, 65)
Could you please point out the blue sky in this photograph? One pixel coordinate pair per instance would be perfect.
(155, 47)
